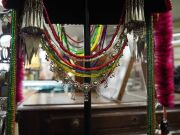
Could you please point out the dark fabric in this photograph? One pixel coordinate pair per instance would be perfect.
(101, 12)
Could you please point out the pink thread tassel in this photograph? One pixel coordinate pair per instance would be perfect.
(164, 63)
(19, 76)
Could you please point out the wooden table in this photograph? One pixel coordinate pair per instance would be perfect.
(58, 114)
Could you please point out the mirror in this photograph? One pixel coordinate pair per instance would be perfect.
(40, 78)
(176, 43)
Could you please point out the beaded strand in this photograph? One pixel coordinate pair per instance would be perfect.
(80, 67)
(70, 53)
(150, 79)
(12, 80)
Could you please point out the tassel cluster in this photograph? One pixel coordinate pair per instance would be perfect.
(134, 19)
(32, 22)
(135, 24)
(20, 78)
(164, 65)
(31, 28)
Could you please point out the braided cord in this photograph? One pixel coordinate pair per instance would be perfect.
(150, 79)
(12, 80)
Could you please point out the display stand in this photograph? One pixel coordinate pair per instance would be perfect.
(87, 52)
(99, 13)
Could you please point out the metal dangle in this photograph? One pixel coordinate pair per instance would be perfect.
(164, 127)
(86, 97)
(31, 27)
(135, 24)
(32, 19)
(134, 19)
(164, 123)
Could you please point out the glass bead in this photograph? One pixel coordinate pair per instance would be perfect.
(95, 83)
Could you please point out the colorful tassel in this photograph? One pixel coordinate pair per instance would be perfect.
(164, 59)
(20, 74)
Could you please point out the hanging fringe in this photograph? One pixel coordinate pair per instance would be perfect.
(164, 59)
(31, 28)
(134, 19)
(135, 24)
(32, 18)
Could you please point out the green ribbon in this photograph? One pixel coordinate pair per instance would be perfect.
(150, 78)
(10, 129)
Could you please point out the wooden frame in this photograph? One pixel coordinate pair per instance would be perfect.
(116, 85)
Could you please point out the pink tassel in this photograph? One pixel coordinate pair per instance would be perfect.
(4, 2)
(164, 66)
(19, 76)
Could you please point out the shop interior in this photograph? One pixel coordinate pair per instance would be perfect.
(50, 106)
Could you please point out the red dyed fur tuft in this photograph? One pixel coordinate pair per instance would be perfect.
(164, 63)
(19, 77)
